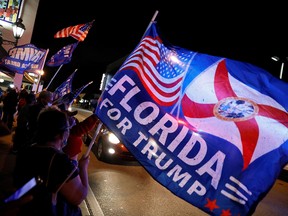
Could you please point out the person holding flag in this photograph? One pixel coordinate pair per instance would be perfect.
(78, 129)
(65, 184)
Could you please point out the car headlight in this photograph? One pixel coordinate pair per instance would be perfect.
(113, 139)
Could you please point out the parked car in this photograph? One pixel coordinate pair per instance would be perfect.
(107, 147)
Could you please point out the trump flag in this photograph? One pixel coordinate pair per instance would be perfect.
(69, 97)
(64, 88)
(25, 57)
(210, 129)
(63, 56)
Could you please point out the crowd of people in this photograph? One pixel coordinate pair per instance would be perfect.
(47, 140)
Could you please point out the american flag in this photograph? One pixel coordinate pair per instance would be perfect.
(160, 68)
(79, 32)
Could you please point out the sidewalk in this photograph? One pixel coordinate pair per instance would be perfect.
(7, 162)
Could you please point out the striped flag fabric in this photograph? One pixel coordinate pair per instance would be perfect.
(219, 141)
(158, 68)
(78, 32)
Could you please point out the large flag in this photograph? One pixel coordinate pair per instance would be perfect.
(79, 32)
(25, 57)
(63, 56)
(64, 88)
(210, 129)
(36, 67)
(71, 96)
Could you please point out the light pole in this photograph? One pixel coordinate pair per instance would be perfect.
(276, 58)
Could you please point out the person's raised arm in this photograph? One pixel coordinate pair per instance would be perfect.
(76, 189)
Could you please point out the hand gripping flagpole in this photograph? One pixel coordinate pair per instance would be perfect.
(99, 126)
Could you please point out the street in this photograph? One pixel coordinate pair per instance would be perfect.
(130, 190)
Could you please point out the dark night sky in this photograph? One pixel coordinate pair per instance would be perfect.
(237, 31)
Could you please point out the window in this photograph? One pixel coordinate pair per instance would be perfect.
(10, 10)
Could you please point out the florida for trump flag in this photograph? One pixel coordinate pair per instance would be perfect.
(210, 129)
(78, 32)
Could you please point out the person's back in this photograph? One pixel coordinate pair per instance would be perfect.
(59, 173)
(21, 138)
(75, 142)
(43, 100)
(22, 99)
(9, 107)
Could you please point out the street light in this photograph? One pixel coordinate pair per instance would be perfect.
(18, 30)
(276, 58)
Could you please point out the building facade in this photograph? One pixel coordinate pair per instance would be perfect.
(10, 11)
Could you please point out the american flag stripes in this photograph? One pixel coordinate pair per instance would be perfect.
(79, 32)
(160, 68)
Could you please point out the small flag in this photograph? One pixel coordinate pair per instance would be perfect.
(71, 96)
(64, 88)
(63, 56)
(79, 32)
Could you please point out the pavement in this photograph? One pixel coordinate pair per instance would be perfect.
(89, 206)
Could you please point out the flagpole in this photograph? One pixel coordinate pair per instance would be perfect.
(54, 76)
(93, 139)
(81, 89)
(152, 20)
(100, 124)
(42, 66)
